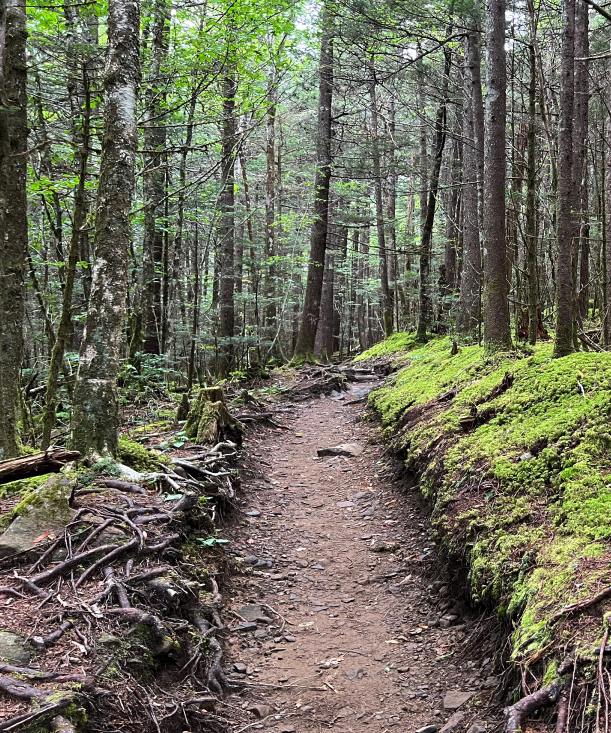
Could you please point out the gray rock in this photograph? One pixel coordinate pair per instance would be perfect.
(490, 683)
(45, 516)
(454, 724)
(432, 728)
(432, 622)
(253, 513)
(290, 639)
(528, 456)
(244, 627)
(252, 612)
(240, 667)
(108, 639)
(250, 560)
(351, 450)
(13, 649)
(260, 710)
(455, 698)
(260, 634)
(345, 504)
(355, 674)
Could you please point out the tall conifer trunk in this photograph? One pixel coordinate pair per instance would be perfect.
(304, 349)
(497, 334)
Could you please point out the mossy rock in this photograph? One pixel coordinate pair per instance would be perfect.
(43, 514)
(136, 456)
(210, 421)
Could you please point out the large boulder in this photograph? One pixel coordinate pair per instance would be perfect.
(41, 516)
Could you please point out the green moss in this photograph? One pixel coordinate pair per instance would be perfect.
(525, 497)
(23, 486)
(395, 344)
(136, 456)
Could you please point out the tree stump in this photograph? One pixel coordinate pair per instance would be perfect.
(210, 421)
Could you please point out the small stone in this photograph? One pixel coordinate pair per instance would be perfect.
(244, 627)
(316, 567)
(344, 713)
(379, 658)
(250, 560)
(290, 638)
(455, 698)
(454, 723)
(240, 667)
(260, 710)
(345, 504)
(253, 513)
(206, 703)
(260, 633)
(283, 679)
(431, 728)
(477, 728)
(350, 450)
(348, 600)
(432, 622)
(402, 670)
(444, 623)
(526, 456)
(354, 674)
(287, 729)
(293, 597)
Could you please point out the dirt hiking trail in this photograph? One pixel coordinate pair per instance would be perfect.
(373, 636)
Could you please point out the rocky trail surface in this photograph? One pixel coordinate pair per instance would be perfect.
(345, 619)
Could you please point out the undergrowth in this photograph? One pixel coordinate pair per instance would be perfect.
(524, 497)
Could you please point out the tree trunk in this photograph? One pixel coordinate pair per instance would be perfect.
(323, 346)
(563, 343)
(147, 323)
(469, 303)
(497, 334)
(531, 193)
(270, 201)
(227, 228)
(426, 301)
(580, 177)
(304, 348)
(95, 412)
(377, 176)
(64, 332)
(13, 219)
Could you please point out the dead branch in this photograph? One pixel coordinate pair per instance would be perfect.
(49, 461)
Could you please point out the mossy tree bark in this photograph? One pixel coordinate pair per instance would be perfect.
(531, 193)
(95, 414)
(497, 333)
(563, 343)
(209, 419)
(304, 348)
(13, 217)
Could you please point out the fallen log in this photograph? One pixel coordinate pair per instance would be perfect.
(50, 461)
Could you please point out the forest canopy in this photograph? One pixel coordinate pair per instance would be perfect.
(197, 191)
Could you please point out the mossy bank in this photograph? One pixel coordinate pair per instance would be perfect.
(513, 451)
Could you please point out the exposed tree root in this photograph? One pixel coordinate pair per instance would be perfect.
(517, 714)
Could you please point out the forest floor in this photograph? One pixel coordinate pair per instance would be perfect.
(375, 635)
